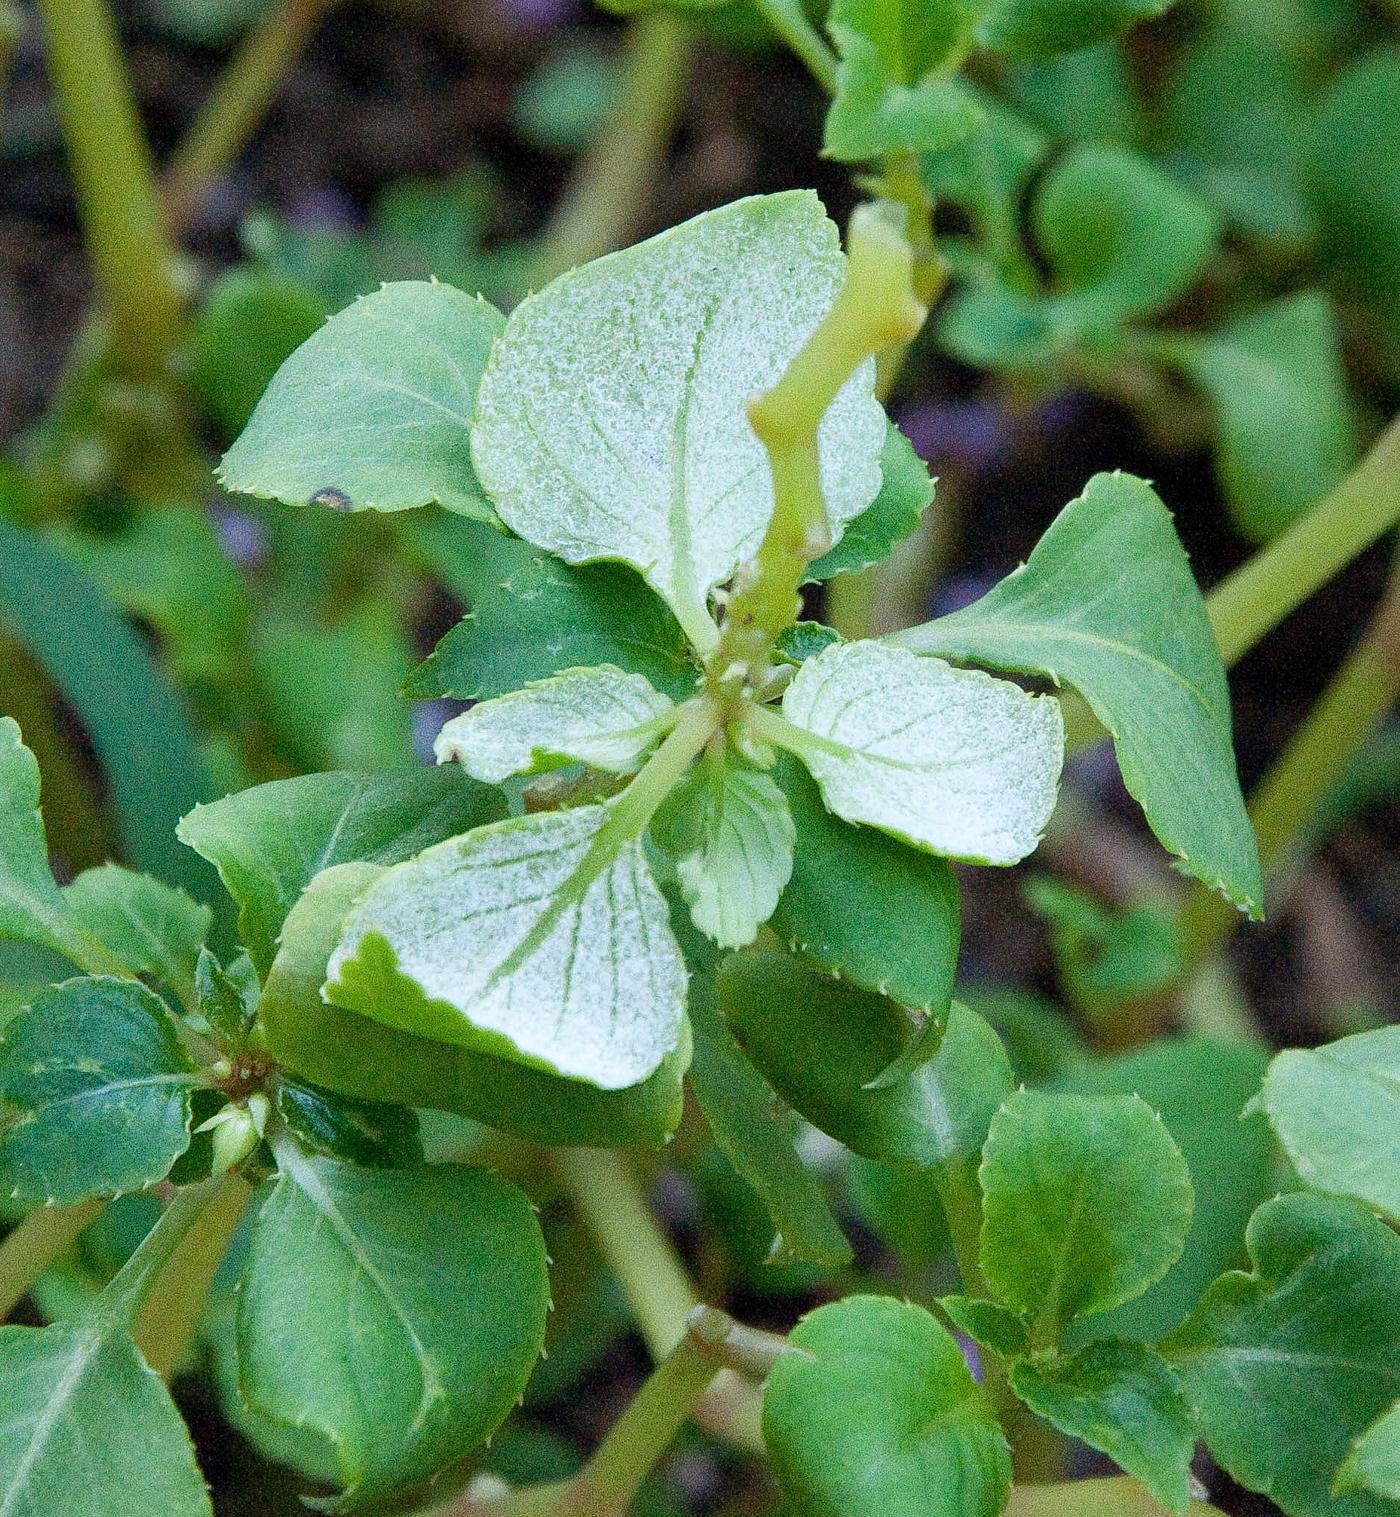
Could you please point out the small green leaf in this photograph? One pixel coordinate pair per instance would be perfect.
(1107, 603)
(745, 1123)
(877, 1416)
(988, 1323)
(802, 640)
(906, 492)
(374, 411)
(1087, 1202)
(1336, 1110)
(820, 1042)
(148, 927)
(536, 616)
(610, 421)
(268, 842)
(88, 1427)
(346, 1288)
(1124, 1400)
(986, 174)
(1041, 28)
(359, 1058)
(542, 938)
(371, 1134)
(600, 717)
(1287, 1366)
(1374, 1461)
(227, 998)
(98, 1088)
(729, 831)
(881, 915)
(953, 761)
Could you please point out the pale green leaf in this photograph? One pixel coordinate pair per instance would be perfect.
(373, 412)
(148, 927)
(600, 717)
(1374, 1462)
(954, 761)
(906, 492)
(398, 1312)
(877, 1416)
(611, 418)
(542, 939)
(1107, 603)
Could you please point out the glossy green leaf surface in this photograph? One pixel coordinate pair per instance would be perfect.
(346, 1289)
(373, 412)
(879, 1417)
(1107, 603)
(372, 1134)
(906, 492)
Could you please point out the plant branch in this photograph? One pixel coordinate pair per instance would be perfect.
(34, 1243)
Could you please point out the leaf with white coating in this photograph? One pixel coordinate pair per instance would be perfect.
(611, 421)
(540, 939)
(603, 717)
(951, 760)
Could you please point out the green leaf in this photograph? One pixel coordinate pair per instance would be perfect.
(227, 998)
(148, 927)
(906, 492)
(820, 1042)
(1041, 28)
(1283, 416)
(1124, 1400)
(950, 760)
(611, 418)
(1286, 1366)
(345, 1288)
(88, 1427)
(990, 326)
(535, 616)
(359, 1058)
(600, 717)
(877, 1416)
(988, 1323)
(1336, 1110)
(97, 1086)
(371, 1134)
(881, 915)
(1086, 1202)
(728, 829)
(268, 842)
(1374, 1461)
(746, 1125)
(802, 640)
(374, 411)
(1121, 238)
(1107, 604)
(542, 939)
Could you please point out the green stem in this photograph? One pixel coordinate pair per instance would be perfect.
(232, 113)
(1112, 1496)
(122, 1298)
(174, 1304)
(789, 21)
(128, 243)
(610, 191)
(34, 1243)
(630, 812)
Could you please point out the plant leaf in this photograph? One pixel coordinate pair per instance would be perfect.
(373, 411)
(268, 842)
(542, 939)
(372, 1134)
(353, 1056)
(906, 492)
(600, 717)
(148, 927)
(728, 828)
(879, 1417)
(881, 915)
(227, 998)
(345, 1288)
(950, 760)
(988, 1323)
(1106, 602)
(1042, 28)
(611, 417)
(1086, 1202)
(98, 1085)
(1123, 1399)
(1336, 1110)
(1286, 1366)
(1374, 1461)
(88, 1427)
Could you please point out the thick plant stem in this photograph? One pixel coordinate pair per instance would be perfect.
(608, 196)
(128, 243)
(789, 21)
(33, 1244)
(174, 1304)
(228, 118)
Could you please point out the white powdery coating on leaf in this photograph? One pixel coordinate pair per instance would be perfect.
(601, 717)
(952, 760)
(611, 421)
(598, 994)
